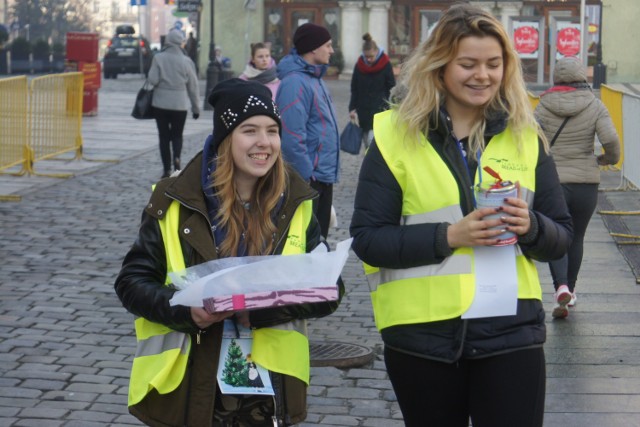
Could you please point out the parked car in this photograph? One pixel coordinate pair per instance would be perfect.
(123, 53)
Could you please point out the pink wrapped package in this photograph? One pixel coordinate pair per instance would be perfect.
(270, 299)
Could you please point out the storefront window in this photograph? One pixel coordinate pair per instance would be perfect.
(428, 20)
(400, 30)
(331, 21)
(274, 31)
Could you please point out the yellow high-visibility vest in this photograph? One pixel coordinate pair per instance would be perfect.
(162, 354)
(430, 194)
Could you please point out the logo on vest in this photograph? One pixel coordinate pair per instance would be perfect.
(295, 241)
(505, 164)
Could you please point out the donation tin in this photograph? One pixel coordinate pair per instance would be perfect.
(492, 197)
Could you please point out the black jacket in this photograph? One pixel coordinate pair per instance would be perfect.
(140, 287)
(370, 91)
(380, 241)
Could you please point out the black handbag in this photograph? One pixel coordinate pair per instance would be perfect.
(142, 108)
(351, 138)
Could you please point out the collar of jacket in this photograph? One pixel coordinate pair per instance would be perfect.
(440, 123)
(294, 62)
(378, 65)
(184, 187)
(566, 87)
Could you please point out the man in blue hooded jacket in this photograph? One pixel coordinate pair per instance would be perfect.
(310, 136)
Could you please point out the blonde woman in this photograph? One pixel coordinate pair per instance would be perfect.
(461, 107)
(235, 198)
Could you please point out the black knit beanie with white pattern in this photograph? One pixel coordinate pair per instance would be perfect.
(234, 101)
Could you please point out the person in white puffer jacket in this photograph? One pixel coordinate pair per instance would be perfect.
(572, 99)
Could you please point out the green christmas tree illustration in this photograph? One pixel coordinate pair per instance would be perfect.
(236, 369)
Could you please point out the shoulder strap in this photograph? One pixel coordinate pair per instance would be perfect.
(553, 141)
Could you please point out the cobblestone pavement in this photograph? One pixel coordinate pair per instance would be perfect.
(66, 342)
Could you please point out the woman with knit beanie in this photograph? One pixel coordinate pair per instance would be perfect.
(370, 86)
(235, 198)
(262, 68)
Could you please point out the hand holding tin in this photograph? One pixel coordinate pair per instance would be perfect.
(482, 227)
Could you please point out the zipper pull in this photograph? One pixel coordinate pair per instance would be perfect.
(198, 336)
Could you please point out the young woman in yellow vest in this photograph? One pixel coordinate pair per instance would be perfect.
(235, 198)
(461, 106)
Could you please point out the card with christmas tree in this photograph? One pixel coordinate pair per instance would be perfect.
(237, 372)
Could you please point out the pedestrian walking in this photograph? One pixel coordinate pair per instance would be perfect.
(262, 68)
(222, 62)
(310, 141)
(432, 258)
(237, 197)
(371, 85)
(191, 47)
(571, 117)
(175, 87)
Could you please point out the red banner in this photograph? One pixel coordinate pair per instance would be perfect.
(568, 41)
(525, 39)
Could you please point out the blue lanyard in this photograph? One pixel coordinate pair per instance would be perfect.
(463, 154)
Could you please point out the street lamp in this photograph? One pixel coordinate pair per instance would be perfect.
(213, 68)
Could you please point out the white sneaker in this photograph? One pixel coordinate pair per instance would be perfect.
(563, 298)
(574, 299)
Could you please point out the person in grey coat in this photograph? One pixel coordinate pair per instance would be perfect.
(571, 101)
(173, 76)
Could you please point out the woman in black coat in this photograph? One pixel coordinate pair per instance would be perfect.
(370, 86)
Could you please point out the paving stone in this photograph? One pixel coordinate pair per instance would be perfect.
(341, 420)
(37, 422)
(353, 393)
(43, 412)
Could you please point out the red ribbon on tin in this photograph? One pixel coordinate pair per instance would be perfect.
(494, 174)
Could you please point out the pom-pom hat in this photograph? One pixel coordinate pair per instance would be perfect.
(234, 101)
(310, 36)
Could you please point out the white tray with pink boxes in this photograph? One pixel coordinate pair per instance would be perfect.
(247, 283)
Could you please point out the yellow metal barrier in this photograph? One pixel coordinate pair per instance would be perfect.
(55, 116)
(612, 99)
(13, 122)
(14, 134)
(533, 99)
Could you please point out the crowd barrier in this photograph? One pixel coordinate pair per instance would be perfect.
(55, 116)
(14, 137)
(624, 109)
(612, 99)
(39, 120)
(533, 99)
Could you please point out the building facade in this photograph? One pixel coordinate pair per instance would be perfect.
(620, 53)
(400, 25)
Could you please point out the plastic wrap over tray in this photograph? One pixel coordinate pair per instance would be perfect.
(244, 283)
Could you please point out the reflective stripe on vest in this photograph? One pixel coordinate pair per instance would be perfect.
(162, 353)
(445, 290)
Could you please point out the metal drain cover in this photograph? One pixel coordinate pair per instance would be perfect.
(338, 354)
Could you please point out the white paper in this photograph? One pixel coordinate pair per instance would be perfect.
(496, 282)
(242, 275)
